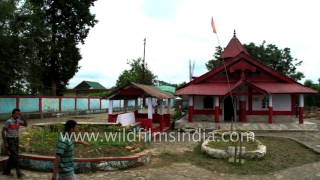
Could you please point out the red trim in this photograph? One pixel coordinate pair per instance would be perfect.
(17, 102)
(47, 97)
(162, 124)
(190, 113)
(112, 118)
(270, 115)
(242, 111)
(301, 109)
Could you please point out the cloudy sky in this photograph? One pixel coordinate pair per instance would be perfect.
(179, 30)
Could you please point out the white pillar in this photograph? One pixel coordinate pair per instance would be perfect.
(301, 100)
(216, 101)
(190, 101)
(110, 107)
(270, 100)
(150, 108)
(168, 107)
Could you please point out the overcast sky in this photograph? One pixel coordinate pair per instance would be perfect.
(179, 30)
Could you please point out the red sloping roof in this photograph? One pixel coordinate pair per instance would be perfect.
(233, 49)
(279, 88)
(205, 89)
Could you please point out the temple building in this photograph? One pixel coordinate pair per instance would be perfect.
(256, 91)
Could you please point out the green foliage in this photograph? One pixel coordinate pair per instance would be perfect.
(12, 62)
(135, 74)
(216, 61)
(278, 59)
(270, 55)
(42, 140)
(39, 39)
(312, 99)
(177, 115)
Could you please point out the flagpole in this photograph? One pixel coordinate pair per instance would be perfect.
(227, 76)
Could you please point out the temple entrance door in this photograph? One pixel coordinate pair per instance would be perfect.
(228, 109)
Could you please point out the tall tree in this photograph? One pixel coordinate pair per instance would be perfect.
(67, 23)
(278, 59)
(134, 74)
(312, 99)
(216, 61)
(12, 62)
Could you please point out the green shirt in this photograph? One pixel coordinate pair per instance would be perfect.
(65, 151)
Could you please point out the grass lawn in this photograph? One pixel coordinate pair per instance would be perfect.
(282, 153)
(43, 140)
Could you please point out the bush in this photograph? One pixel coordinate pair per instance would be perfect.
(177, 115)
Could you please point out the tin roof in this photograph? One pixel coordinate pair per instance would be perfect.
(135, 90)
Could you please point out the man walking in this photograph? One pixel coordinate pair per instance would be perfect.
(63, 166)
(10, 136)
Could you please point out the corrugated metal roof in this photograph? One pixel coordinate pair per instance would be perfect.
(153, 91)
(95, 85)
(221, 89)
(279, 88)
(205, 89)
(135, 90)
(166, 88)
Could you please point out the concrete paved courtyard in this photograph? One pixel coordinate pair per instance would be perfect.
(187, 170)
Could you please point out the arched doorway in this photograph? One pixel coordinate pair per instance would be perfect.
(228, 109)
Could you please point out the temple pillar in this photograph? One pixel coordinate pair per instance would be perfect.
(216, 109)
(161, 115)
(136, 104)
(110, 110)
(110, 107)
(150, 108)
(242, 109)
(190, 110)
(270, 109)
(125, 105)
(301, 108)
(168, 107)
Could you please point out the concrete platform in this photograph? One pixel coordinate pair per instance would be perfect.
(293, 126)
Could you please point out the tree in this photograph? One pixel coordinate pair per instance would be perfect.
(66, 23)
(12, 62)
(134, 74)
(38, 43)
(270, 55)
(216, 61)
(311, 99)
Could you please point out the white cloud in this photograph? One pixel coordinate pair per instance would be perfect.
(186, 34)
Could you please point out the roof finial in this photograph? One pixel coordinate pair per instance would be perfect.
(234, 33)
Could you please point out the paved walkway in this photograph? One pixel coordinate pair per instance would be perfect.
(178, 171)
(293, 126)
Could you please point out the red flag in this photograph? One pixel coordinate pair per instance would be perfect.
(213, 26)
